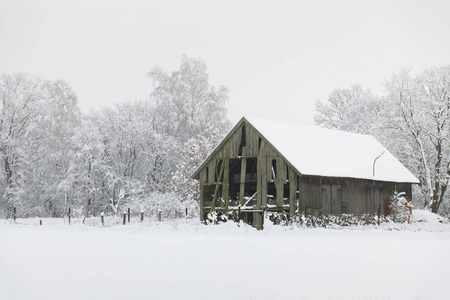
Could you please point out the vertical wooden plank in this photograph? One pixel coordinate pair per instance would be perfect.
(279, 181)
(203, 180)
(226, 182)
(255, 143)
(203, 175)
(349, 191)
(292, 191)
(269, 171)
(211, 171)
(202, 217)
(344, 199)
(236, 142)
(304, 194)
(377, 198)
(326, 199)
(248, 141)
(368, 198)
(264, 181)
(258, 184)
(336, 199)
(260, 169)
(253, 147)
(242, 185)
(297, 196)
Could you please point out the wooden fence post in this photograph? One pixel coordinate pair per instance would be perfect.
(14, 214)
(40, 222)
(124, 217)
(102, 215)
(159, 216)
(69, 215)
(129, 215)
(142, 216)
(186, 211)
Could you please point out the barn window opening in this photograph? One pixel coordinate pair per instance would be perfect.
(243, 142)
(207, 173)
(286, 191)
(234, 178)
(271, 193)
(250, 178)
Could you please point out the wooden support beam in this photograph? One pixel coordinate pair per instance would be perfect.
(279, 184)
(216, 190)
(258, 185)
(250, 199)
(202, 198)
(259, 177)
(264, 182)
(242, 186)
(292, 191)
(226, 182)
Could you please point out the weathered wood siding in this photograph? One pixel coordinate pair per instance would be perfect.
(345, 196)
(246, 143)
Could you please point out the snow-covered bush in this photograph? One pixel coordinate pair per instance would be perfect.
(399, 208)
(278, 218)
(222, 217)
(216, 218)
(344, 220)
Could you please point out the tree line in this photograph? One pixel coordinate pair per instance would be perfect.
(412, 119)
(141, 154)
(137, 154)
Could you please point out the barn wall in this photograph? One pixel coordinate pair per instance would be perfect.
(345, 196)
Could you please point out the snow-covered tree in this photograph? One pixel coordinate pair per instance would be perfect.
(53, 157)
(187, 108)
(184, 102)
(420, 113)
(354, 110)
(193, 154)
(37, 121)
(20, 95)
(412, 121)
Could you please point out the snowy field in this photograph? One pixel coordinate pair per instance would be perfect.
(182, 259)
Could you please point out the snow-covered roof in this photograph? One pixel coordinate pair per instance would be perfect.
(333, 153)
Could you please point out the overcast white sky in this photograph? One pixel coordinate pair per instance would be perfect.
(276, 57)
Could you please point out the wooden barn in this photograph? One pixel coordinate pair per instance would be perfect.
(278, 166)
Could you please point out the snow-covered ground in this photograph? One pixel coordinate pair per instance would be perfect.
(182, 259)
